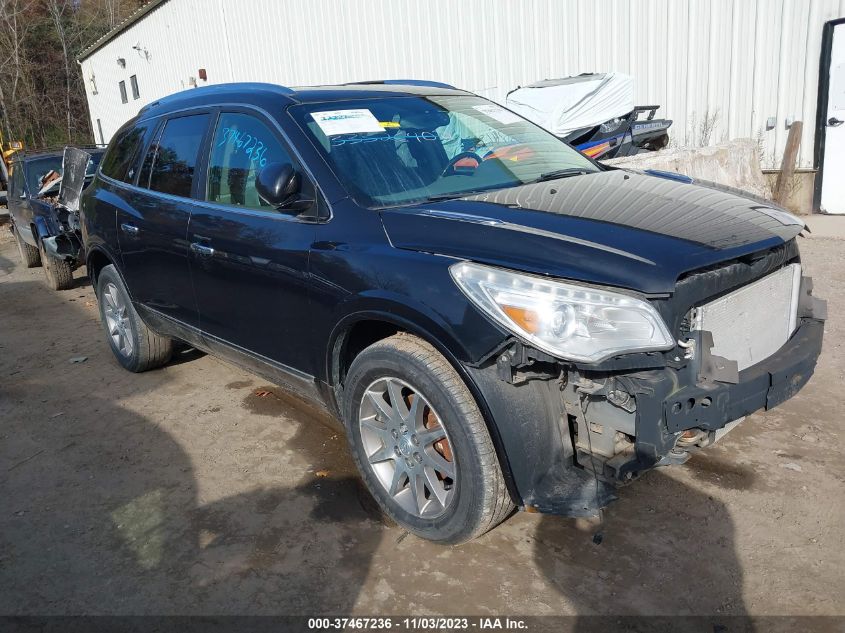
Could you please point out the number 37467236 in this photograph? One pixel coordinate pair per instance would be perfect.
(251, 145)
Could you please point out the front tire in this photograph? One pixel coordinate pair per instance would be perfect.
(29, 254)
(57, 272)
(136, 347)
(421, 444)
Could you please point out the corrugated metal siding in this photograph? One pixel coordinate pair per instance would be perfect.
(733, 63)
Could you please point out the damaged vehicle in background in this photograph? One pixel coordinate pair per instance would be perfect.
(43, 202)
(595, 113)
(497, 320)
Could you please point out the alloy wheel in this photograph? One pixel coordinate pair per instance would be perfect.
(117, 320)
(407, 447)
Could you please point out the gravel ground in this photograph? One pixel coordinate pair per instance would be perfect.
(189, 490)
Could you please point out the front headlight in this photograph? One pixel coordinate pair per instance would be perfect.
(569, 321)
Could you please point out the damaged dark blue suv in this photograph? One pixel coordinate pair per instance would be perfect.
(497, 320)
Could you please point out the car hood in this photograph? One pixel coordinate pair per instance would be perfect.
(618, 227)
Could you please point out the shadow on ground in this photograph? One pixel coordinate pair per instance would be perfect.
(269, 550)
(143, 541)
(147, 539)
(626, 572)
(6, 264)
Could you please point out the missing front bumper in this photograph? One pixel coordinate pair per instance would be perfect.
(568, 436)
(678, 409)
(66, 247)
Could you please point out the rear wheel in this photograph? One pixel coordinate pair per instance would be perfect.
(136, 347)
(421, 444)
(29, 254)
(58, 273)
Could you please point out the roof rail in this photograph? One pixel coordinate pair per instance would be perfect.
(187, 93)
(407, 82)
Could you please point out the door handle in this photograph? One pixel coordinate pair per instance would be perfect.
(834, 122)
(202, 250)
(131, 229)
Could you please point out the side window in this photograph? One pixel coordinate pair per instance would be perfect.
(147, 165)
(174, 157)
(17, 181)
(120, 153)
(242, 145)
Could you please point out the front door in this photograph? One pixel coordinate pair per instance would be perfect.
(19, 205)
(833, 184)
(249, 262)
(153, 224)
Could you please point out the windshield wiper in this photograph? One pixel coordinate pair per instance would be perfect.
(563, 173)
(455, 194)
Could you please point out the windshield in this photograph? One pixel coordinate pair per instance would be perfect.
(93, 161)
(402, 150)
(37, 169)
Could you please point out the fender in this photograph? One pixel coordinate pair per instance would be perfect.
(419, 320)
(41, 229)
(399, 310)
(101, 248)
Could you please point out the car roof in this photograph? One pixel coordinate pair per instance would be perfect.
(236, 93)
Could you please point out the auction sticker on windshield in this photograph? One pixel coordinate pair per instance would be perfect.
(505, 117)
(334, 122)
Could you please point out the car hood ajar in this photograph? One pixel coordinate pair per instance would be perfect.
(617, 228)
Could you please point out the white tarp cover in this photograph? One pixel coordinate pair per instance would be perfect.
(565, 105)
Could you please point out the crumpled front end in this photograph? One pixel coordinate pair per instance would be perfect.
(62, 235)
(748, 332)
(59, 231)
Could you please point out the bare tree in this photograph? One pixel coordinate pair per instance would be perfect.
(11, 38)
(112, 11)
(56, 9)
(42, 92)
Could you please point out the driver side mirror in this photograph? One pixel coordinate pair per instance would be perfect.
(279, 185)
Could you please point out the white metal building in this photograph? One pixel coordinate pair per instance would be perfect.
(722, 69)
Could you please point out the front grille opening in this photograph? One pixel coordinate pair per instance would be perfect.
(752, 322)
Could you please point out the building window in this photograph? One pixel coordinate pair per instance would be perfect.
(134, 81)
(123, 97)
(100, 130)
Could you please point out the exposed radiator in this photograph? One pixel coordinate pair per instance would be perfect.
(752, 323)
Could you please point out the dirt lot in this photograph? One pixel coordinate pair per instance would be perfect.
(187, 490)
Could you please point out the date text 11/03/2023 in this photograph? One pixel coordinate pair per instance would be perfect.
(418, 623)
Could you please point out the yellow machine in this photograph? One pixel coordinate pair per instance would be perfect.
(7, 150)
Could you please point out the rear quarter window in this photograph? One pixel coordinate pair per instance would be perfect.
(121, 152)
(173, 159)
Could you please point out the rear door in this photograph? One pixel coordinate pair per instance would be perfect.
(153, 224)
(249, 262)
(833, 184)
(112, 188)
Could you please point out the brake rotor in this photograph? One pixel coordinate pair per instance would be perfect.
(430, 421)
